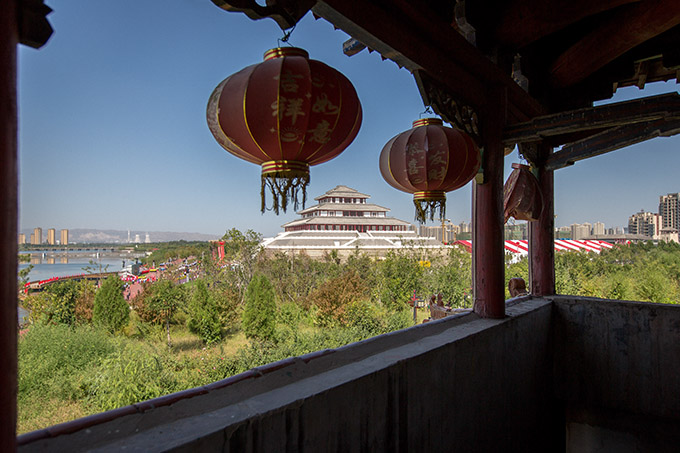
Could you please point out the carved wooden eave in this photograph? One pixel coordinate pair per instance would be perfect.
(599, 129)
(34, 28)
(534, 66)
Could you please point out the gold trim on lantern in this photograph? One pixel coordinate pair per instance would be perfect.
(429, 195)
(284, 166)
(427, 122)
(280, 52)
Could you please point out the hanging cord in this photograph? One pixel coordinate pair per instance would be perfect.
(286, 37)
(428, 111)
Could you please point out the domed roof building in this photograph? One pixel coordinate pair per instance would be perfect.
(343, 220)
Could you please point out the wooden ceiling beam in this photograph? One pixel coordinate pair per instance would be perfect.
(527, 21)
(611, 140)
(625, 29)
(591, 118)
(412, 39)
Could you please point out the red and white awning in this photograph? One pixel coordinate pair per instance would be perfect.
(522, 247)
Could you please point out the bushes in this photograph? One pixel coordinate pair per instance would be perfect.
(259, 314)
(333, 297)
(204, 318)
(111, 311)
(55, 305)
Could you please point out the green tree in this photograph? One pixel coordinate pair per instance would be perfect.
(204, 319)
(400, 275)
(334, 296)
(23, 275)
(56, 304)
(242, 250)
(164, 301)
(111, 311)
(259, 315)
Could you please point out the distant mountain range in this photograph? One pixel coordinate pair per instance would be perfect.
(81, 236)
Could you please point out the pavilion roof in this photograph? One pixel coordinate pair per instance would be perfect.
(343, 191)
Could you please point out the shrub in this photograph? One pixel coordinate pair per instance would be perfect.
(333, 296)
(111, 311)
(259, 315)
(204, 319)
(56, 304)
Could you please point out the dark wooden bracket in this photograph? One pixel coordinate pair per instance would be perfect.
(593, 118)
(286, 13)
(612, 139)
(445, 105)
(34, 28)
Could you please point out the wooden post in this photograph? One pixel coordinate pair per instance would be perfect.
(487, 244)
(8, 225)
(542, 234)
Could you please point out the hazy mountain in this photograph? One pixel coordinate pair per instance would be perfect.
(79, 235)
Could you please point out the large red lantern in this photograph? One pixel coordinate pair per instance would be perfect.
(285, 114)
(428, 161)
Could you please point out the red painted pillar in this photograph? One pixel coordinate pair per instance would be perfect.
(487, 242)
(542, 235)
(8, 225)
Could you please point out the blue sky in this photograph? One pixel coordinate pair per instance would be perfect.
(113, 132)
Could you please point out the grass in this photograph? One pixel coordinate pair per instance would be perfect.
(67, 373)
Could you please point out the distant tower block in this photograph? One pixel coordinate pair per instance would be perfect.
(64, 237)
(147, 239)
(52, 236)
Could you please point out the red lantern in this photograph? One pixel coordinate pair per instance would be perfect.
(522, 197)
(285, 114)
(428, 161)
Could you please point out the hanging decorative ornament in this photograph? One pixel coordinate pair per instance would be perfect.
(522, 197)
(428, 161)
(285, 114)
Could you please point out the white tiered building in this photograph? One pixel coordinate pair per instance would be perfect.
(344, 221)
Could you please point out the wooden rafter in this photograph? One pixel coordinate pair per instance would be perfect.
(611, 140)
(605, 116)
(408, 36)
(527, 21)
(627, 28)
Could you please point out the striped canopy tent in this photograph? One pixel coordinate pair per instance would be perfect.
(522, 247)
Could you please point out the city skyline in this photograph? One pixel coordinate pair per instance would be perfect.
(113, 132)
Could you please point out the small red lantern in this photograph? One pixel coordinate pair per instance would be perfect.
(285, 114)
(522, 197)
(428, 161)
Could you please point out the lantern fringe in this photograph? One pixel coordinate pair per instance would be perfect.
(284, 189)
(426, 209)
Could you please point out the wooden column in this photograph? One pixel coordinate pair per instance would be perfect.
(541, 234)
(8, 225)
(487, 242)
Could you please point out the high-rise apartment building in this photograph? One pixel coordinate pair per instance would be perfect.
(36, 236)
(645, 224)
(52, 236)
(580, 231)
(63, 236)
(449, 232)
(22, 238)
(669, 210)
(598, 228)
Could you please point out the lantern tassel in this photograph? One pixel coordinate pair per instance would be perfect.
(284, 190)
(426, 209)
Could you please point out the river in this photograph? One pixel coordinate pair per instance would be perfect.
(47, 264)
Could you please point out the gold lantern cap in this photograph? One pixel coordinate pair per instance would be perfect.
(427, 122)
(280, 52)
